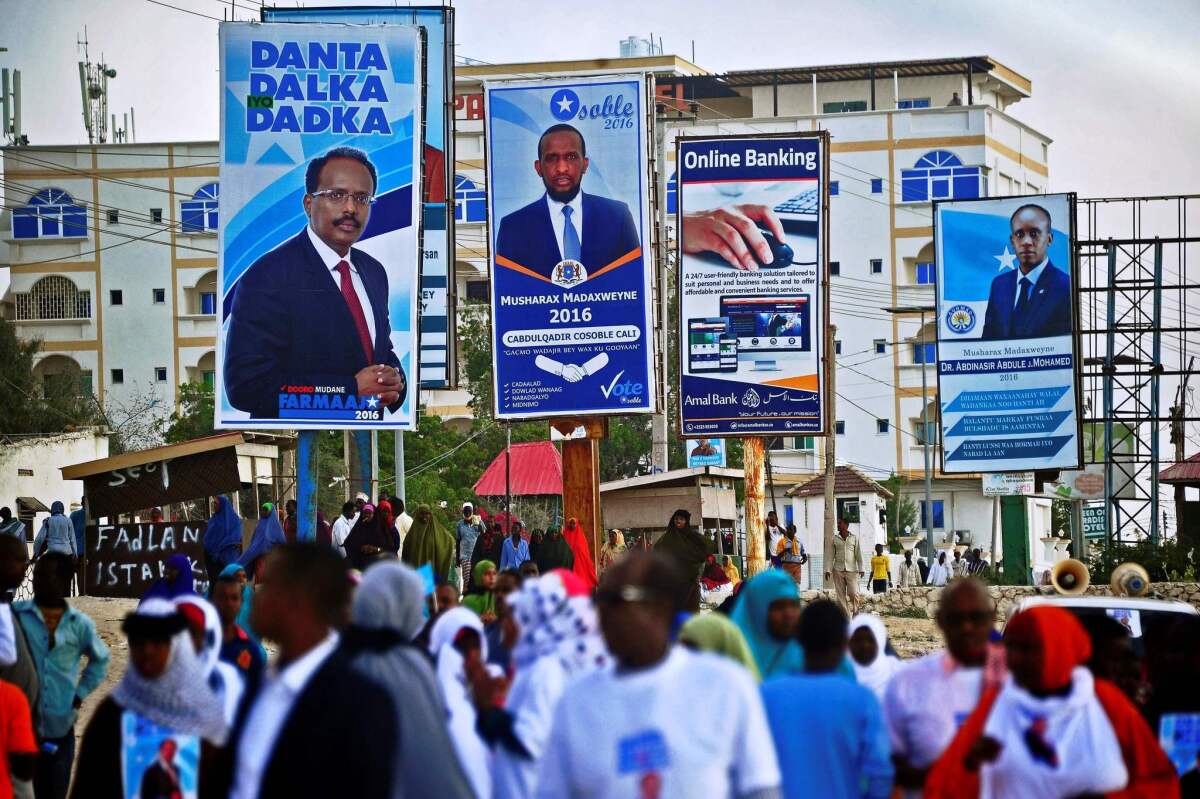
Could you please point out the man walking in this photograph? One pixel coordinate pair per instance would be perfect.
(59, 638)
(773, 534)
(468, 531)
(845, 567)
(910, 573)
(342, 527)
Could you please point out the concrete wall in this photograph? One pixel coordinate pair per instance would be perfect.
(30, 467)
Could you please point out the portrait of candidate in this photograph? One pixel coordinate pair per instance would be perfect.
(566, 223)
(1033, 300)
(314, 310)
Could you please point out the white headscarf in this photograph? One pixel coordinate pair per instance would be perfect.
(939, 573)
(876, 674)
(555, 621)
(473, 753)
(223, 677)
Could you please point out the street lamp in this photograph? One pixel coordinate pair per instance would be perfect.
(923, 309)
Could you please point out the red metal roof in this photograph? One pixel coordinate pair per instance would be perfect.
(1185, 472)
(536, 468)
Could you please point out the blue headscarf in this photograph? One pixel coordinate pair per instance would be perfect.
(267, 533)
(223, 535)
(243, 618)
(162, 588)
(750, 615)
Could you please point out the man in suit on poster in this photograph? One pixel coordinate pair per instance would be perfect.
(1034, 300)
(566, 223)
(314, 311)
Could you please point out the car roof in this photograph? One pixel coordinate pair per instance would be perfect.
(1105, 602)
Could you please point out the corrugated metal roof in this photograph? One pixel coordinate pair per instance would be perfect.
(535, 468)
(1185, 473)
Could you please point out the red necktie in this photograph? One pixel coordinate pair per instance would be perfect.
(356, 310)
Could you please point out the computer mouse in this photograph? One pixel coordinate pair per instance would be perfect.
(782, 253)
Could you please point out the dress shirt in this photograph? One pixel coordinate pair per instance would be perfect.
(270, 712)
(341, 530)
(1033, 276)
(846, 555)
(331, 259)
(58, 669)
(8, 636)
(559, 221)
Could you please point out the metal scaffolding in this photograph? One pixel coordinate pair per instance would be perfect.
(1139, 317)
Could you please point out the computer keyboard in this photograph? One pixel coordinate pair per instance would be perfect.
(800, 213)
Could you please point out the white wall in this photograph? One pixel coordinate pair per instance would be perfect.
(45, 456)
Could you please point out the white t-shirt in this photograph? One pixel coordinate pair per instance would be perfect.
(926, 702)
(618, 735)
(341, 531)
(775, 533)
(403, 525)
(535, 693)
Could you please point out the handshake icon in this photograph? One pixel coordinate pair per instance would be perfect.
(570, 372)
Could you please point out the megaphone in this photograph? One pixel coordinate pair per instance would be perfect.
(1130, 579)
(1070, 577)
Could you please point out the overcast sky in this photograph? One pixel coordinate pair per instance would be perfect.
(1114, 83)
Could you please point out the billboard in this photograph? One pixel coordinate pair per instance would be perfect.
(319, 226)
(751, 283)
(569, 225)
(704, 452)
(437, 221)
(1008, 365)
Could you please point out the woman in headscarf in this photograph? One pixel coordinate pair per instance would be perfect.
(712, 632)
(162, 705)
(577, 539)
(323, 534)
(222, 538)
(689, 549)
(1051, 729)
(268, 533)
(939, 571)
(367, 538)
(767, 612)
(177, 580)
(873, 667)
(557, 641)
(483, 599)
(204, 625)
(57, 534)
(555, 552)
(388, 612)
(731, 571)
(488, 546)
(458, 644)
(428, 542)
(536, 537)
(715, 587)
(613, 548)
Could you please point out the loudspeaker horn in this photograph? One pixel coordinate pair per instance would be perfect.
(1130, 579)
(1070, 577)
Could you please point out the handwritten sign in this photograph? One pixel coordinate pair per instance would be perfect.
(123, 560)
(149, 485)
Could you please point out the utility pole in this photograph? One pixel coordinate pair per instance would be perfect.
(1178, 411)
(830, 454)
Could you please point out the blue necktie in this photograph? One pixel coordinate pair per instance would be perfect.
(1022, 306)
(570, 236)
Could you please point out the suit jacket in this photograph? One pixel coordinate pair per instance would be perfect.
(158, 783)
(290, 325)
(527, 235)
(339, 738)
(1048, 312)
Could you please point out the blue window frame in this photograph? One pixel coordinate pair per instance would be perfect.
(470, 201)
(199, 214)
(671, 193)
(835, 267)
(929, 356)
(877, 185)
(940, 175)
(939, 514)
(839, 427)
(915, 102)
(880, 346)
(833, 188)
(925, 274)
(208, 302)
(50, 214)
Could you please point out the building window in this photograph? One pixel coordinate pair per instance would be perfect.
(882, 425)
(835, 267)
(924, 354)
(876, 266)
(477, 291)
(54, 297)
(470, 201)
(208, 302)
(779, 443)
(939, 515)
(839, 427)
(940, 175)
(118, 376)
(159, 296)
(156, 215)
(113, 216)
(880, 346)
(115, 297)
(925, 274)
(160, 374)
(806, 443)
(837, 347)
(833, 188)
(843, 106)
(49, 214)
(199, 214)
(925, 432)
(877, 185)
(671, 193)
(913, 102)
(210, 379)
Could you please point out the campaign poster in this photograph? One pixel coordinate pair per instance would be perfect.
(569, 222)
(437, 223)
(751, 282)
(1007, 349)
(319, 226)
(157, 761)
(704, 452)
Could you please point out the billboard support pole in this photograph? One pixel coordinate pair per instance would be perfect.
(925, 436)
(358, 462)
(306, 485)
(752, 466)
(1078, 544)
(771, 479)
(830, 456)
(581, 475)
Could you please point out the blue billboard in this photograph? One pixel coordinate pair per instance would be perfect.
(1006, 334)
(318, 237)
(437, 224)
(704, 452)
(751, 284)
(569, 221)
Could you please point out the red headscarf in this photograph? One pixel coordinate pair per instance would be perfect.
(384, 509)
(1062, 639)
(585, 567)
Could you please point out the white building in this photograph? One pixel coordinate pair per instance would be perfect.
(30, 471)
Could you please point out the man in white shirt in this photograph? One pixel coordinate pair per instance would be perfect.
(311, 697)
(774, 533)
(929, 699)
(342, 527)
(643, 728)
(403, 522)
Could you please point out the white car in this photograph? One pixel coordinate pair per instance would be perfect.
(1136, 613)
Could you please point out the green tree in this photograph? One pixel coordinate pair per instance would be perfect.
(193, 417)
(900, 511)
(33, 407)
